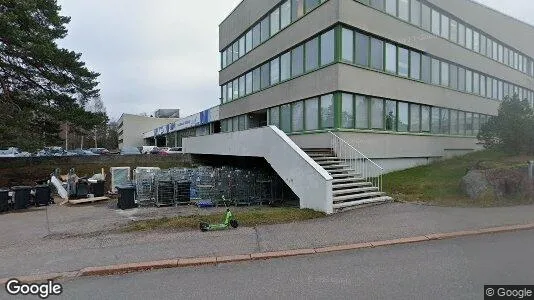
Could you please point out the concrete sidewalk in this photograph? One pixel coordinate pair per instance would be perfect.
(55, 253)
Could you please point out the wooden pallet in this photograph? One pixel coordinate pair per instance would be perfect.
(88, 200)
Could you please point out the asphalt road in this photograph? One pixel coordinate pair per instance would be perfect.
(448, 269)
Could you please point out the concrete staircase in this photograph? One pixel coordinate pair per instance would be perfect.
(349, 189)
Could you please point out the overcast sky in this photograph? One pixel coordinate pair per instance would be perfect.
(164, 53)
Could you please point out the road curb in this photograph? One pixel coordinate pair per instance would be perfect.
(213, 260)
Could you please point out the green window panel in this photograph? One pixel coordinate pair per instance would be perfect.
(312, 54)
(403, 62)
(312, 114)
(275, 21)
(328, 46)
(347, 110)
(362, 49)
(327, 111)
(391, 58)
(415, 65)
(362, 112)
(390, 116)
(377, 54)
(285, 66)
(403, 117)
(377, 113)
(415, 117)
(297, 116)
(297, 61)
(285, 118)
(347, 45)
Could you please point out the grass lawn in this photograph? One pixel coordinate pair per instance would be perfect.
(253, 217)
(439, 182)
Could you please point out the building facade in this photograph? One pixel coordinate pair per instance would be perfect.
(131, 128)
(404, 81)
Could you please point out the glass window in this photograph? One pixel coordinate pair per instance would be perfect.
(297, 116)
(476, 124)
(391, 7)
(230, 92)
(489, 48)
(236, 89)
(461, 123)
(362, 49)
(476, 41)
(275, 71)
(461, 79)
(241, 86)
(248, 80)
(435, 71)
(402, 119)
(415, 65)
(483, 85)
(404, 10)
(415, 15)
(297, 9)
(435, 22)
(223, 93)
(362, 112)
(444, 74)
(248, 40)
(275, 21)
(285, 66)
(415, 114)
(501, 54)
(425, 68)
(274, 118)
(435, 120)
(454, 122)
(469, 38)
(347, 45)
(391, 115)
(453, 77)
(265, 34)
(488, 87)
(285, 118)
(235, 48)
(256, 36)
(285, 14)
(469, 124)
(229, 124)
(425, 118)
(403, 62)
(312, 54)
(377, 54)
(223, 60)
(327, 111)
(327, 47)
(347, 111)
(476, 83)
(468, 81)
(311, 4)
(229, 56)
(444, 121)
(445, 27)
(242, 46)
(377, 113)
(242, 122)
(506, 56)
(378, 4)
(425, 17)
(495, 53)
(461, 34)
(235, 125)
(494, 89)
(391, 58)
(482, 44)
(297, 61)
(265, 76)
(312, 114)
(256, 80)
(501, 97)
(454, 31)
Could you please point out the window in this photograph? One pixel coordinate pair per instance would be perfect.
(297, 61)
(425, 68)
(256, 36)
(391, 58)
(402, 119)
(391, 7)
(377, 113)
(242, 122)
(488, 87)
(229, 57)
(297, 9)
(241, 86)
(236, 89)
(501, 97)
(327, 111)
(415, 65)
(285, 66)
(435, 71)
(435, 22)
(285, 118)
(415, 114)
(461, 79)
(468, 81)
(476, 83)
(454, 122)
(415, 16)
(500, 53)
(327, 47)
(404, 10)
(489, 48)
(248, 80)
(425, 118)
(285, 14)
(469, 124)
(378, 4)
(235, 125)
(476, 124)
(275, 21)
(469, 38)
(483, 45)
(454, 31)
(229, 125)
(461, 34)
(476, 41)
(265, 34)
(347, 45)
(256, 80)
(444, 121)
(506, 57)
(391, 115)
(461, 123)
(403, 62)
(347, 111)
(425, 17)
(312, 114)
(242, 46)
(265, 76)
(312, 54)
(275, 71)
(274, 117)
(362, 112)
(494, 89)
(230, 91)
(235, 48)
(435, 120)
(223, 60)
(362, 49)
(377, 54)
(297, 116)
(483, 85)
(445, 27)
(453, 76)
(223, 94)
(248, 40)
(495, 52)
(311, 4)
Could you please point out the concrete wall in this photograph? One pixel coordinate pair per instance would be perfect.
(134, 126)
(309, 181)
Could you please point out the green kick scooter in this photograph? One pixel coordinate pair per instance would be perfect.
(229, 221)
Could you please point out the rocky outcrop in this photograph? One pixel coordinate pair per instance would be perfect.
(497, 183)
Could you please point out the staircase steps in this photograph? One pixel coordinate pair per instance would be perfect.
(355, 191)
(352, 204)
(341, 185)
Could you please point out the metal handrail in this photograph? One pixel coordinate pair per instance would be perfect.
(363, 155)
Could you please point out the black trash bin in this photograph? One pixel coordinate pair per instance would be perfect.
(4, 200)
(43, 195)
(97, 188)
(22, 196)
(82, 189)
(126, 197)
